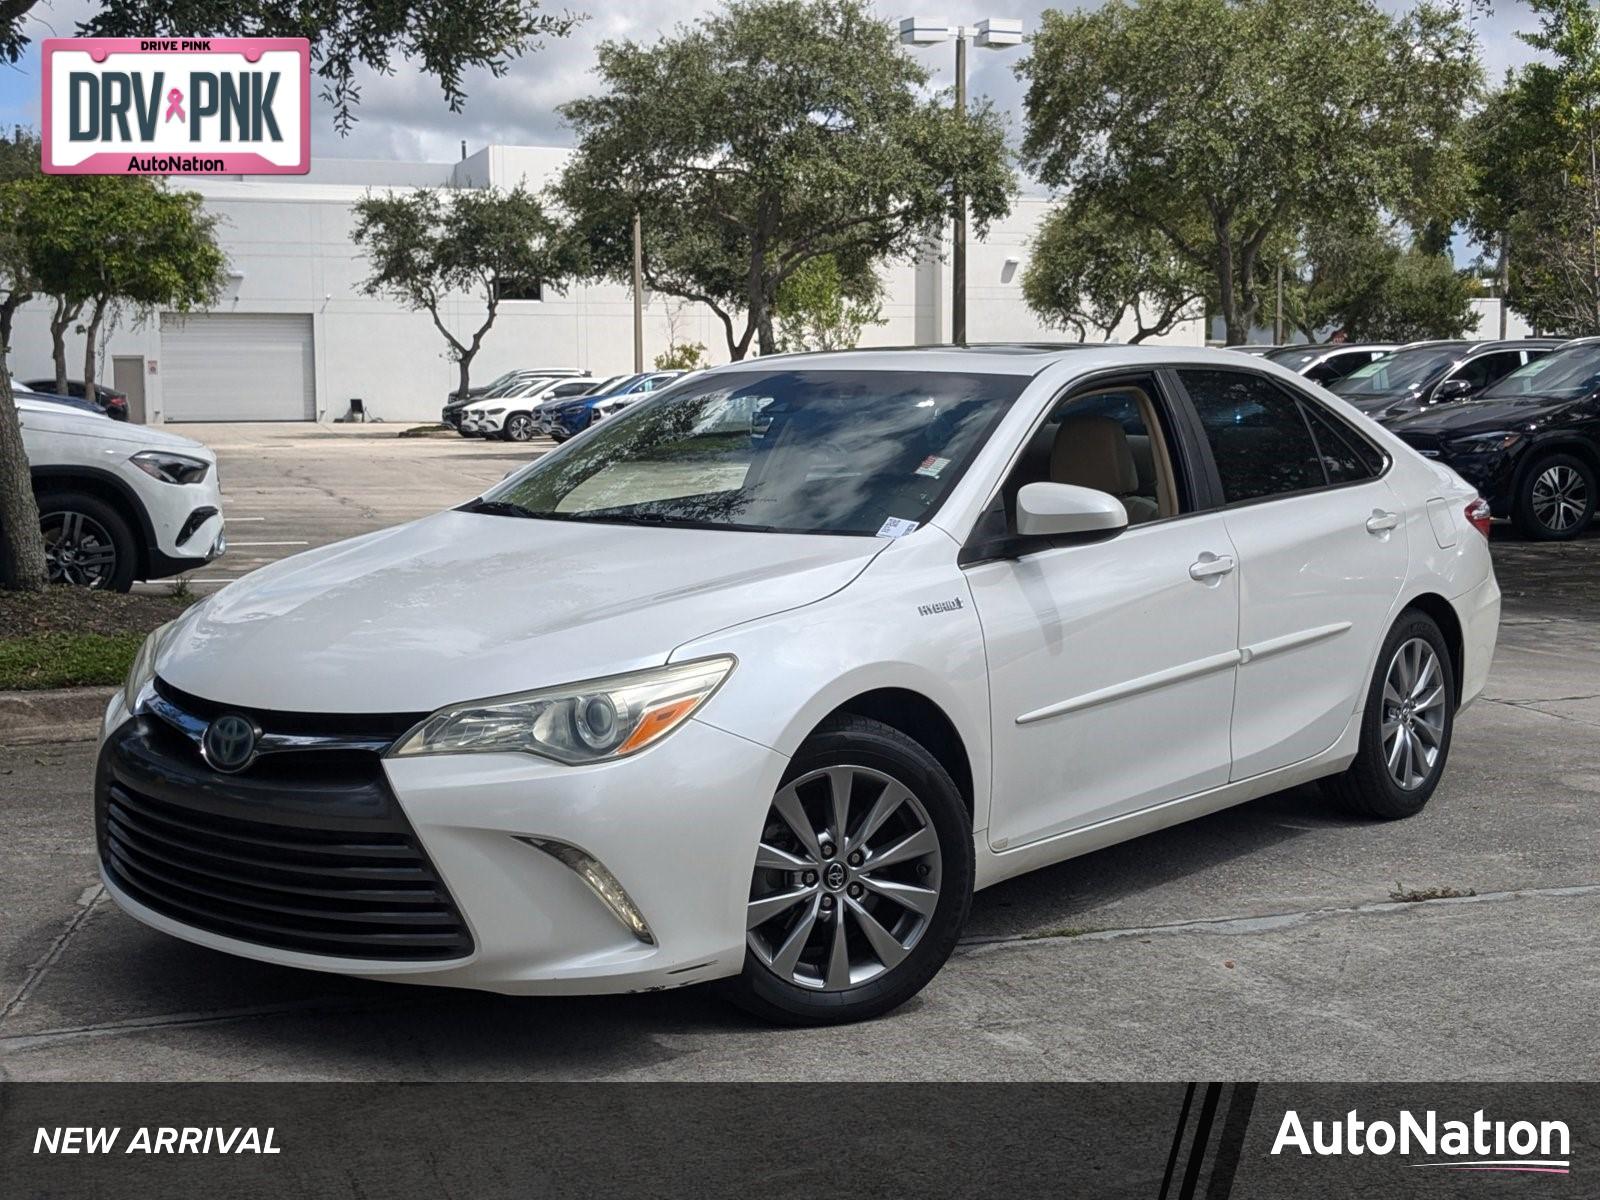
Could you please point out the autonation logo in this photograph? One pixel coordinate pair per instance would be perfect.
(1476, 1145)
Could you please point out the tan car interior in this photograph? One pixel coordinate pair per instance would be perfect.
(1087, 441)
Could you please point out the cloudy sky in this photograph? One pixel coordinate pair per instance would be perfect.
(403, 116)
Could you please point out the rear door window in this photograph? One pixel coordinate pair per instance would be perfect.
(1259, 439)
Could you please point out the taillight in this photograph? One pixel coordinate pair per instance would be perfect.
(1478, 515)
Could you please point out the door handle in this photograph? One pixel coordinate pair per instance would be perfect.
(1210, 566)
(1381, 522)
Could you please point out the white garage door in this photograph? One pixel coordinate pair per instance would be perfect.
(237, 367)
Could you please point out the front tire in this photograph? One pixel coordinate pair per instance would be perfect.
(518, 428)
(1556, 499)
(87, 542)
(862, 881)
(1406, 725)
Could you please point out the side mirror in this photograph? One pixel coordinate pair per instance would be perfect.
(1452, 389)
(1054, 509)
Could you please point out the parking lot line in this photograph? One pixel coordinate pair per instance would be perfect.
(269, 543)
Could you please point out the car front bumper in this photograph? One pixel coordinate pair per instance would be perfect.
(676, 826)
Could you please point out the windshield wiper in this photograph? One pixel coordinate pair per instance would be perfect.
(499, 508)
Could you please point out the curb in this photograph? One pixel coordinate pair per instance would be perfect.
(52, 715)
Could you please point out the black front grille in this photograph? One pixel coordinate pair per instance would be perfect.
(307, 860)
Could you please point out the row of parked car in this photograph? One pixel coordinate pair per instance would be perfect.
(554, 402)
(1519, 419)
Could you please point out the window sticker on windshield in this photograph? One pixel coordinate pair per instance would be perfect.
(896, 527)
(933, 466)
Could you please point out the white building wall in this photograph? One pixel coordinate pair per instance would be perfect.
(289, 249)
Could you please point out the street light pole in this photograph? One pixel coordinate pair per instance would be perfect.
(638, 296)
(958, 243)
(992, 33)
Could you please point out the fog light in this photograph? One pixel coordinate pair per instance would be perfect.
(601, 882)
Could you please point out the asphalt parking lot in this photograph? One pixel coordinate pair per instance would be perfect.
(1278, 940)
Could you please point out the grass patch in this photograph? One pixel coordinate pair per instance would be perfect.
(425, 430)
(1066, 931)
(1418, 895)
(73, 637)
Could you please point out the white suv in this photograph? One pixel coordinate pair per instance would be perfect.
(118, 502)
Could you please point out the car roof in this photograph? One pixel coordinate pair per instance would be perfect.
(1471, 347)
(1018, 358)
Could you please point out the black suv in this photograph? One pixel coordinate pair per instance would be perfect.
(1421, 374)
(1530, 443)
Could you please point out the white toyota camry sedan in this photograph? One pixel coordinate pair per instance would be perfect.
(760, 679)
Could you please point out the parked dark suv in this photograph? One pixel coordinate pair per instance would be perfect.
(1421, 374)
(1530, 443)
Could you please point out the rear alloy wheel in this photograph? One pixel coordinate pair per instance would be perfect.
(1556, 499)
(862, 879)
(1405, 726)
(87, 543)
(518, 428)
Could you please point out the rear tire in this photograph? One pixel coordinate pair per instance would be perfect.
(1556, 499)
(87, 542)
(1406, 725)
(905, 833)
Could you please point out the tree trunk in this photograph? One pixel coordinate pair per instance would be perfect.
(1227, 298)
(464, 367)
(90, 356)
(63, 317)
(22, 565)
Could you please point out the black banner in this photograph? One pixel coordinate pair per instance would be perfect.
(1162, 1141)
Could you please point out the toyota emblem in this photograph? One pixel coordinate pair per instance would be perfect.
(230, 742)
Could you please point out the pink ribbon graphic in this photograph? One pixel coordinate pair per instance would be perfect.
(175, 105)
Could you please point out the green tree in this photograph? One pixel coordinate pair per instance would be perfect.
(426, 245)
(347, 37)
(1091, 269)
(22, 561)
(1536, 153)
(1226, 125)
(1362, 282)
(818, 308)
(770, 134)
(99, 241)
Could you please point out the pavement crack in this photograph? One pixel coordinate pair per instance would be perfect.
(1271, 922)
(71, 1033)
(88, 899)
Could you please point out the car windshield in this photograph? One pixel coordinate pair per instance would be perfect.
(1297, 356)
(1563, 375)
(844, 452)
(1398, 372)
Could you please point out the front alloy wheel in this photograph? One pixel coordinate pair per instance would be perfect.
(1556, 499)
(519, 428)
(862, 879)
(847, 878)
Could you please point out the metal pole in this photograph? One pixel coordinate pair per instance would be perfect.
(638, 295)
(1505, 278)
(1277, 321)
(958, 251)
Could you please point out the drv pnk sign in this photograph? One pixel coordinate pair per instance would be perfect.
(186, 106)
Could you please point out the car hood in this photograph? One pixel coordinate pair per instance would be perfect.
(1482, 416)
(461, 606)
(56, 418)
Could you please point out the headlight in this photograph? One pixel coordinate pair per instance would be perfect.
(578, 723)
(1486, 443)
(144, 666)
(171, 468)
